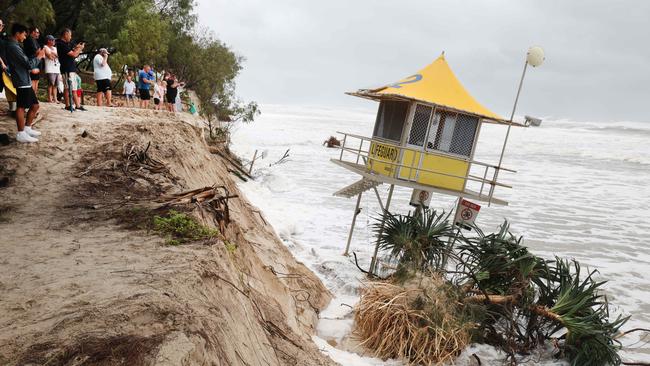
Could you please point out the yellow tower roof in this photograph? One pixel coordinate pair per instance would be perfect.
(435, 84)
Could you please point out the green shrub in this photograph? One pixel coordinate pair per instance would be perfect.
(517, 300)
(230, 247)
(180, 228)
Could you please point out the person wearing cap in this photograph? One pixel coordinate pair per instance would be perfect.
(52, 68)
(102, 74)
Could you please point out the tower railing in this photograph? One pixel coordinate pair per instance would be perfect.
(355, 149)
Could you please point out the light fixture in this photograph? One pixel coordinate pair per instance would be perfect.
(535, 56)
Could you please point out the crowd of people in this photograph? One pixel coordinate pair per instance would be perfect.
(24, 61)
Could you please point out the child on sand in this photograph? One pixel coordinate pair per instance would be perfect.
(129, 91)
(158, 92)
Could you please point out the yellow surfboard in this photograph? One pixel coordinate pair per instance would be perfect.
(10, 90)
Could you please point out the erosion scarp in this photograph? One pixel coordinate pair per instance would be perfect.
(86, 279)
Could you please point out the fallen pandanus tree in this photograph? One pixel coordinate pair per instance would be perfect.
(418, 321)
(495, 292)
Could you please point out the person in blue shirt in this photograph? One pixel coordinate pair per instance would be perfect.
(146, 79)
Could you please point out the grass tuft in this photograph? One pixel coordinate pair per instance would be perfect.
(230, 247)
(181, 228)
(4, 213)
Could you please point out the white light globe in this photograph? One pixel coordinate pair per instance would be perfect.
(535, 56)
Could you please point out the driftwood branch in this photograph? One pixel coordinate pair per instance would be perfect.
(233, 163)
(283, 159)
(369, 274)
(137, 156)
(213, 199)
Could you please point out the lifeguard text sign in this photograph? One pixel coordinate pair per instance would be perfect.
(383, 158)
(466, 213)
(384, 152)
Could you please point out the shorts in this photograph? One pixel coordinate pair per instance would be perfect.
(26, 97)
(79, 93)
(171, 97)
(74, 85)
(35, 76)
(144, 94)
(103, 85)
(129, 96)
(156, 101)
(53, 79)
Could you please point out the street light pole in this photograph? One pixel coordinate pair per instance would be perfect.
(534, 57)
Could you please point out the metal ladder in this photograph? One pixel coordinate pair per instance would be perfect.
(356, 188)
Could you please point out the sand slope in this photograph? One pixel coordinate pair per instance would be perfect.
(77, 288)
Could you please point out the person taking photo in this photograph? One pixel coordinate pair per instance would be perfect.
(21, 67)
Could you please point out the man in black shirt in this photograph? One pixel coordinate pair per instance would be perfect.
(31, 46)
(67, 54)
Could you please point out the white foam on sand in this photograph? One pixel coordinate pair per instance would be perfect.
(580, 192)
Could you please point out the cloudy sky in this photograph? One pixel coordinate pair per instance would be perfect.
(310, 52)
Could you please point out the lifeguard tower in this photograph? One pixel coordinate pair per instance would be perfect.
(424, 139)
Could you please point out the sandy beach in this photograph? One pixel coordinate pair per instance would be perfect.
(77, 285)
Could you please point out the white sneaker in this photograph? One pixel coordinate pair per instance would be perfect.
(23, 136)
(32, 132)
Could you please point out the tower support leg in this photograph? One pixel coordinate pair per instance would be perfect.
(373, 263)
(354, 221)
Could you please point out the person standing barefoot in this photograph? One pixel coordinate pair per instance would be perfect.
(102, 74)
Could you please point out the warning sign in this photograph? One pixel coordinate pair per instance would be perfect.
(419, 197)
(466, 213)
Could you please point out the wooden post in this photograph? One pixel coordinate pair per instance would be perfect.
(250, 169)
(373, 263)
(354, 221)
(452, 241)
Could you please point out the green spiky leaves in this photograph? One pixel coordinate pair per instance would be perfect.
(521, 300)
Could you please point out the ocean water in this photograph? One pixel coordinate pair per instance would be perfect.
(581, 191)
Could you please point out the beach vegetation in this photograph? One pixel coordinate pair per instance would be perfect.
(230, 247)
(4, 212)
(180, 228)
(416, 320)
(415, 242)
(494, 290)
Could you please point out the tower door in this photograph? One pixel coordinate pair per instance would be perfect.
(412, 157)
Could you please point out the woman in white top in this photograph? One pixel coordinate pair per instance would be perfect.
(52, 69)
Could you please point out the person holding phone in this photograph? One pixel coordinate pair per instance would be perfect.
(21, 67)
(102, 74)
(31, 47)
(146, 79)
(67, 55)
(172, 92)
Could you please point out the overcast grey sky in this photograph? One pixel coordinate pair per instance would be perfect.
(310, 52)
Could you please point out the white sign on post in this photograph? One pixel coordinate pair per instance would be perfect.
(466, 213)
(419, 197)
